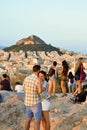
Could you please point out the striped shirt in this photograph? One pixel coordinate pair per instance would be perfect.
(31, 91)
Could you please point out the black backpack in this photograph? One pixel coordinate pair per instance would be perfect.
(81, 97)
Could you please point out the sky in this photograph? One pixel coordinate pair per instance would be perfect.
(61, 23)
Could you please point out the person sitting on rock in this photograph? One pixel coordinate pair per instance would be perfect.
(18, 87)
(5, 83)
(81, 97)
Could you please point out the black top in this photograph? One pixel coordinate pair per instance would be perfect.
(5, 85)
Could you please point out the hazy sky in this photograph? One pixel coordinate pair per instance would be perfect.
(62, 23)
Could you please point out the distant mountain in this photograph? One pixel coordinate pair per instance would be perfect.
(2, 47)
(32, 43)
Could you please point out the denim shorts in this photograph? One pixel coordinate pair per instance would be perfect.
(71, 85)
(34, 111)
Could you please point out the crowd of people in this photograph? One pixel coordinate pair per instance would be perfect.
(40, 86)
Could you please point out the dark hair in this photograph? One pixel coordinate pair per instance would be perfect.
(65, 65)
(70, 75)
(4, 75)
(51, 72)
(54, 63)
(81, 58)
(42, 72)
(47, 77)
(36, 68)
(17, 83)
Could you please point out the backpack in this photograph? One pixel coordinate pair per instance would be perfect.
(81, 97)
(82, 75)
(51, 71)
(72, 80)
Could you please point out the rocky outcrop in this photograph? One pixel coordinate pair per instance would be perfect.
(30, 40)
(63, 114)
(12, 111)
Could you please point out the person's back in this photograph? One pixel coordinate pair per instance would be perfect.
(30, 84)
(52, 82)
(78, 73)
(5, 83)
(18, 87)
(54, 66)
(71, 82)
(64, 71)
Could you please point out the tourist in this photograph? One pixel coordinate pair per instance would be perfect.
(54, 66)
(45, 101)
(18, 87)
(64, 78)
(71, 82)
(78, 69)
(32, 88)
(5, 83)
(80, 97)
(52, 82)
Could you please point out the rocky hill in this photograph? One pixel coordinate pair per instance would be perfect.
(32, 43)
(31, 40)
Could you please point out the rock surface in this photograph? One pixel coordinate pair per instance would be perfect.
(64, 115)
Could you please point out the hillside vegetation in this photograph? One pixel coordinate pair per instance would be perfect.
(35, 47)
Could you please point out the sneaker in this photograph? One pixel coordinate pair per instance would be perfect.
(72, 100)
(49, 96)
(64, 95)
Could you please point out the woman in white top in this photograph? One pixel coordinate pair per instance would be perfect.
(18, 87)
(45, 102)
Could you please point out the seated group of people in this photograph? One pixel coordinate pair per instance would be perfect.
(6, 85)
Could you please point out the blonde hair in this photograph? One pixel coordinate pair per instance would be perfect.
(77, 65)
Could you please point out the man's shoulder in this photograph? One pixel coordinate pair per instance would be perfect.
(31, 76)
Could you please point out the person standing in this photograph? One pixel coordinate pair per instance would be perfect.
(64, 78)
(71, 82)
(52, 82)
(78, 69)
(45, 101)
(32, 88)
(54, 66)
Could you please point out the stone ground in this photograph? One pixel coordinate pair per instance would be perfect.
(64, 115)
